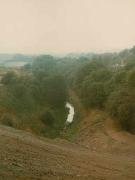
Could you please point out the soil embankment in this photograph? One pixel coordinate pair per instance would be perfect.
(24, 156)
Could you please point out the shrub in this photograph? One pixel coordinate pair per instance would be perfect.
(131, 78)
(47, 118)
(93, 94)
(7, 120)
(121, 105)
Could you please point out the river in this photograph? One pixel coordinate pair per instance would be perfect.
(71, 113)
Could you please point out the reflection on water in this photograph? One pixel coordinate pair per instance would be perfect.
(71, 113)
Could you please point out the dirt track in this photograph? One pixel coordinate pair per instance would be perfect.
(24, 156)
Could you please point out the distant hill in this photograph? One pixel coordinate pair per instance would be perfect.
(79, 55)
(13, 60)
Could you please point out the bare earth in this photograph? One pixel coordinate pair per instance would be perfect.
(104, 153)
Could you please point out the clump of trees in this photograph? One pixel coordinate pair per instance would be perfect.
(39, 91)
(91, 83)
(29, 93)
(121, 105)
(48, 119)
(109, 87)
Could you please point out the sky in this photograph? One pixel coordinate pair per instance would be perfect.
(64, 26)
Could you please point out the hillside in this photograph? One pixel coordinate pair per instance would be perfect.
(100, 133)
(100, 145)
(25, 156)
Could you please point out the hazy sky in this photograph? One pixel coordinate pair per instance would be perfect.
(60, 26)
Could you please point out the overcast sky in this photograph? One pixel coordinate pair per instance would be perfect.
(61, 26)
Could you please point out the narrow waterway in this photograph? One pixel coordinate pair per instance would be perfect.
(71, 113)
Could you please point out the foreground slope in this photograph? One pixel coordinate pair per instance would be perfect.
(24, 156)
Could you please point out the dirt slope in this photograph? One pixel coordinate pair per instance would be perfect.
(100, 133)
(24, 156)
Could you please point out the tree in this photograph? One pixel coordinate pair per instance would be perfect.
(56, 91)
(121, 105)
(86, 70)
(43, 66)
(131, 78)
(47, 118)
(93, 94)
(9, 78)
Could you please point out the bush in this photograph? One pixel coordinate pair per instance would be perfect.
(121, 105)
(131, 78)
(9, 78)
(47, 118)
(7, 120)
(93, 94)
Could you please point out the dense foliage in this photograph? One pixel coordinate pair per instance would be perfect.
(33, 98)
(33, 95)
(110, 86)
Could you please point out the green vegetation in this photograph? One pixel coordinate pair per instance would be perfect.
(47, 118)
(110, 87)
(121, 104)
(33, 98)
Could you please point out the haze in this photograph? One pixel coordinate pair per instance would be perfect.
(62, 26)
